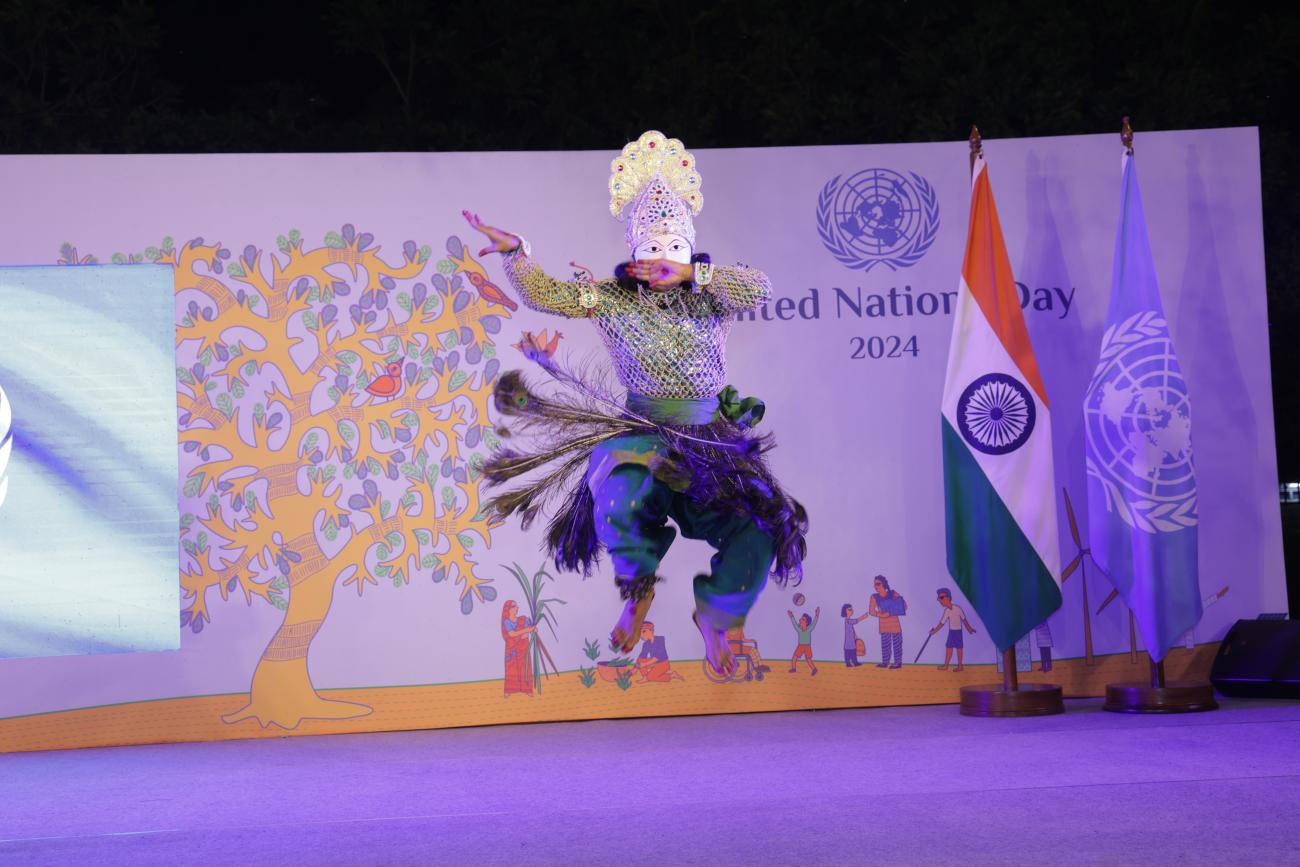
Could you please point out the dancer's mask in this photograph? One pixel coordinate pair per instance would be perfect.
(654, 188)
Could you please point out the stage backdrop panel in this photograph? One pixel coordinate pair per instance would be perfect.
(336, 572)
(88, 512)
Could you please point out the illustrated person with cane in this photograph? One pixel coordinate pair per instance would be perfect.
(955, 617)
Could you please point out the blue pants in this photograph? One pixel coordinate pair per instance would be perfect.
(892, 640)
(631, 511)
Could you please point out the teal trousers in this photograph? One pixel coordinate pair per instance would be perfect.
(631, 511)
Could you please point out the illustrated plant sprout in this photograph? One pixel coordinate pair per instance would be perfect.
(624, 678)
(539, 610)
(591, 648)
(587, 676)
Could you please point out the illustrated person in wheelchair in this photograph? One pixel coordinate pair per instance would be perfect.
(749, 662)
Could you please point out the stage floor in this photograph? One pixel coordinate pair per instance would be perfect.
(918, 785)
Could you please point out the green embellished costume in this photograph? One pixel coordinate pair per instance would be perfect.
(682, 450)
(679, 445)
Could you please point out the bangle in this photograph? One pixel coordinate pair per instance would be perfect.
(703, 273)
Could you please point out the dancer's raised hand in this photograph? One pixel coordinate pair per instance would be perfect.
(502, 241)
(661, 274)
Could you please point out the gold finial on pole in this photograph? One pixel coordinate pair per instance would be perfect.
(976, 146)
(1126, 136)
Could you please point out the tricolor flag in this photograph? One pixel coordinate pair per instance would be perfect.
(997, 442)
(1137, 423)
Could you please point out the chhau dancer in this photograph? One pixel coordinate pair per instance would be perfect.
(679, 445)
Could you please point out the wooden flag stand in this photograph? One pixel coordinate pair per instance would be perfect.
(1008, 698)
(1011, 698)
(1160, 696)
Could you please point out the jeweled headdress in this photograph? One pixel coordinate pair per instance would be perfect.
(653, 185)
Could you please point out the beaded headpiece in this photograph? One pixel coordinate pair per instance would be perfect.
(653, 185)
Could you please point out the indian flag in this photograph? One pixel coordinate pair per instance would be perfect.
(997, 442)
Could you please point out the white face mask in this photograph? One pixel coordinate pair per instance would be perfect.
(674, 248)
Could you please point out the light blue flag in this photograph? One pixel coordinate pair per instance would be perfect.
(1142, 509)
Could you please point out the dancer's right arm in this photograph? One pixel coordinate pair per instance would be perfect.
(536, 288)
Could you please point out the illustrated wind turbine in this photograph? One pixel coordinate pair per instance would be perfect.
(1078, 564)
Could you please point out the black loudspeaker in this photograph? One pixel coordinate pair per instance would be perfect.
(1259, 659)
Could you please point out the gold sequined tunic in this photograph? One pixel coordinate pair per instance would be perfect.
(668, 345)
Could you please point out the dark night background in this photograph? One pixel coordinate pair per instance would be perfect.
(389, 75)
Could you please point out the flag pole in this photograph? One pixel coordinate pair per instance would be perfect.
(1157, 695)
(1010, 679)
(1009, 699)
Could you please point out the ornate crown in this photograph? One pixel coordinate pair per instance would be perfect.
(655, 182)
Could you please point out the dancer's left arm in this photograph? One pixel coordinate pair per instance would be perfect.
(739, 287)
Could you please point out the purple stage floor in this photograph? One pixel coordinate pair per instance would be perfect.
(881, 786)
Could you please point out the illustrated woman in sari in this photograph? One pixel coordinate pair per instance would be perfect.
(519, 667)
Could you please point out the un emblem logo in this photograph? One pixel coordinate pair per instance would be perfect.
(1137, 418)
(996, 414)
(878, 217)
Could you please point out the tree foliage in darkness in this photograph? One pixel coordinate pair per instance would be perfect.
(365, 75)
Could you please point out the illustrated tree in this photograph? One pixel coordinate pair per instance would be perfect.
(333, 424)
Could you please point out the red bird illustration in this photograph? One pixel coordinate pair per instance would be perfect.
(538, 346)
(490, 292)
(387, 385)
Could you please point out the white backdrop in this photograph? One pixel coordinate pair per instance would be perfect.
(859, 437)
